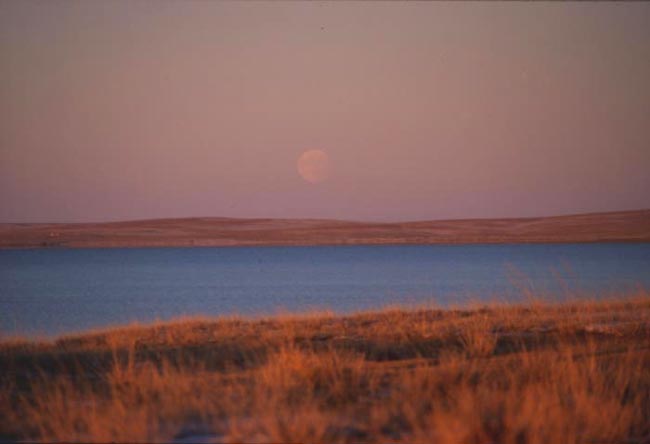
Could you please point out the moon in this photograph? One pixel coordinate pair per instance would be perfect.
(313, 166)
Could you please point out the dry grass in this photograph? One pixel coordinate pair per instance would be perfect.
(621, 226)
(538, 373)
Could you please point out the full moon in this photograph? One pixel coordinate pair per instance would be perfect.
(313, 166)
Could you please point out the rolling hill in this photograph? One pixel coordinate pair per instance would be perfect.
(632, 226)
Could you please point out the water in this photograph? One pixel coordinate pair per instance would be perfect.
(55, 291)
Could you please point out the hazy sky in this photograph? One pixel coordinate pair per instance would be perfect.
(140, 109)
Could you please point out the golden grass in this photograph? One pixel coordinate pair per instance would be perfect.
(539, 373)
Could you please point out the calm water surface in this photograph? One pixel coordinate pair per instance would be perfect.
(66, 290)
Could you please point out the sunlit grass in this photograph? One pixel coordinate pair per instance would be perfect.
(532, 373)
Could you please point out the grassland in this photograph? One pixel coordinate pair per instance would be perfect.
(575, 372)
(622, 226)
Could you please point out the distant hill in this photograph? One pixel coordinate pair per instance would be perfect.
(594, 227)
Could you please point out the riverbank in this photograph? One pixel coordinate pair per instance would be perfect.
(532, 373)
(623, 226)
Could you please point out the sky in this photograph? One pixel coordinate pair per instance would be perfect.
(114, 110)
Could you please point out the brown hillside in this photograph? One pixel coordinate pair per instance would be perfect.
(595, 227)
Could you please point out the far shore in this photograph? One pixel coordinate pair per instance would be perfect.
(622, 226)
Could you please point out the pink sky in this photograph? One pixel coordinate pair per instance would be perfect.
(142, 109)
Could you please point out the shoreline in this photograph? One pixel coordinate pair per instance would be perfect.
(640, 297)
(619, 227)
(308, 245)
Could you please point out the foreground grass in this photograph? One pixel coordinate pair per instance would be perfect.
(577, 372)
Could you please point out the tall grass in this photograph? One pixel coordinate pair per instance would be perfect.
(570, 373)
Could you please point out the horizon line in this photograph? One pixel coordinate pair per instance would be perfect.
(588, 213)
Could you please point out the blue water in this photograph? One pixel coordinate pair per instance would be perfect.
(55, 291)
